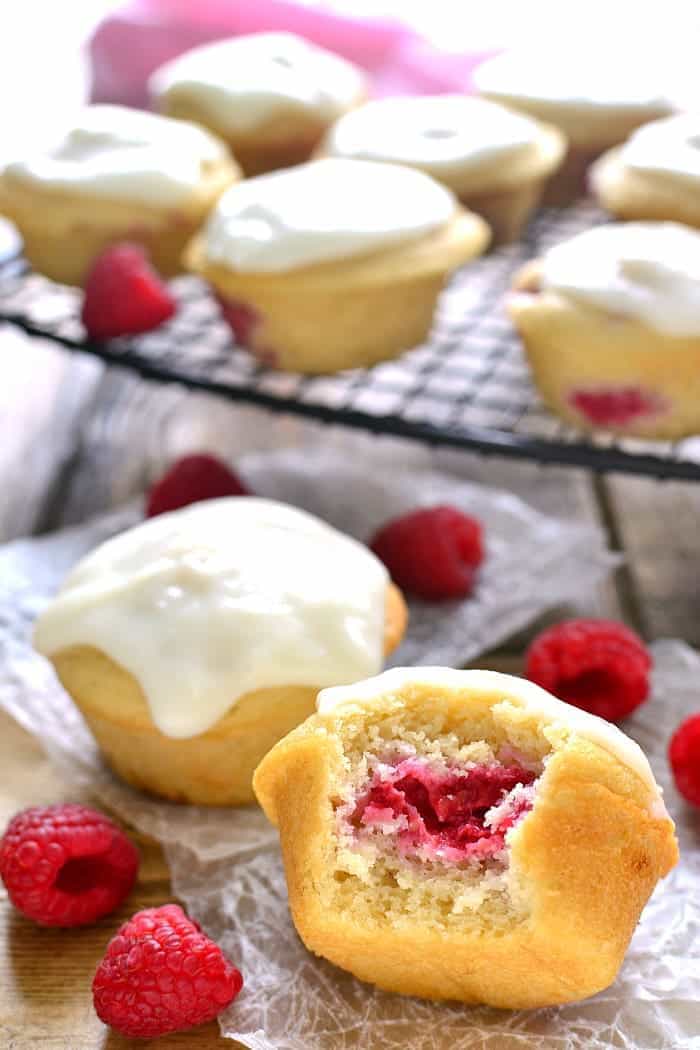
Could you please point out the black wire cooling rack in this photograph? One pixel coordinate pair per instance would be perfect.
(467, 388)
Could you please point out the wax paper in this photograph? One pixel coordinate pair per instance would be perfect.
(225, 864)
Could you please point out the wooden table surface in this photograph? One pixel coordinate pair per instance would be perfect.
(75, 439)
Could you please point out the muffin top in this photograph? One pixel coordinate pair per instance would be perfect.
(127, 154)
(607, 80)
(325, 210)
(647, 271)
(245, 81)
(476, 687)
(443, 135)
(222, 598)
(668, 148)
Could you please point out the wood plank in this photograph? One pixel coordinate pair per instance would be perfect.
(45, 974)
(658, 526)
(44, 395)
(571, 495)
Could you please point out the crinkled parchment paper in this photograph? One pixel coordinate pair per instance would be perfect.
(225, 863)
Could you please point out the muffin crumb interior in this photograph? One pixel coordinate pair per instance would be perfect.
(425, 805)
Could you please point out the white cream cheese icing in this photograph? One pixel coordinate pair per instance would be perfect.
(112, 151)
(222, 598)
(328, 209)
(668, 147)
(583, 80)
(440, 133)
(649, 271)
(244, 81)
(559, 717)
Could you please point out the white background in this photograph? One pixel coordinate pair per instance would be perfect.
(41, 71)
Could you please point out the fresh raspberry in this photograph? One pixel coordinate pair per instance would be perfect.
(161, 974)
(66, 865)
(124, 295)
(684, 755)
(598, 665)
(431, 553)
(191, 479)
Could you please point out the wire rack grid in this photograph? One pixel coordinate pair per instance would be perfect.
(468, 387)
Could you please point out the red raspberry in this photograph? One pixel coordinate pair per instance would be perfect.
(598, 665)
(432, 553)
(191, 479)
(124, 295)
(66, 865)
(161, 974)
(684, 755)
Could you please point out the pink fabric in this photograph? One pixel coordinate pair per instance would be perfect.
(417, 68)
(139, 37)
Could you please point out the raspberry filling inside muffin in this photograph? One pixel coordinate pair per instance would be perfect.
(245, 323)
(427, 812)
(449, 814)
(617, 405)
(241, 318)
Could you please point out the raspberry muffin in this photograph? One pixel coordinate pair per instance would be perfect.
(270, 96)
(194, 641)
(595, 103)
(334, 264)
(495, 161)
(655, 174)
(459, 825)
(115, 175)
(610, 322)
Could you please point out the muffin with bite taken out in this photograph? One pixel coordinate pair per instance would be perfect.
(457, 825)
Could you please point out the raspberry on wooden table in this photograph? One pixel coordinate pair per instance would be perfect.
(191, 479)
(598, 665)
(432, 553)
(161, 974)
(66, 865)
(124, 295)
(684, 756)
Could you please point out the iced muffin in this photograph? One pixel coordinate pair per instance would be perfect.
(494, 160)
(114, 174)
(270, 96)
(334, 264)
(610, 322)
(655, 174)
(594, 100)
(442, 829)
(194, 641)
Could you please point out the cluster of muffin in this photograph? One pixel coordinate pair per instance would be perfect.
(438, 827)
(331, 252)
(610, 319)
